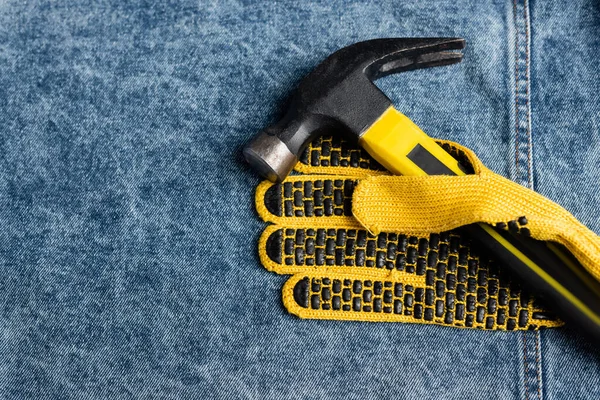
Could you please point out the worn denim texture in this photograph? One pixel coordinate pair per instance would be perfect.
(128, 262)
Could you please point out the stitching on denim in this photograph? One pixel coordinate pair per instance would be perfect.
(516, 90)
(522, 87)
(526, 365)
(517, 51)
(538, 365)
(528, 94)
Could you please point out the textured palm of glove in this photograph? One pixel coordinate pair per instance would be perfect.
(341, 271)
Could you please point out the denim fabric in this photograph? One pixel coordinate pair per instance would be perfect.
(128, 262)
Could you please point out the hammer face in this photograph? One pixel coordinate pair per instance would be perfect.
(270, 157)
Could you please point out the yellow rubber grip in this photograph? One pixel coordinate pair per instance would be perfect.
(391, 139)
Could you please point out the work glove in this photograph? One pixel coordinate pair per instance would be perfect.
(375, 268)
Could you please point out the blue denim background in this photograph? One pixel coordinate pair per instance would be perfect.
(128, 241)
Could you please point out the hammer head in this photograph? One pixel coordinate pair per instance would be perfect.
(339, 95)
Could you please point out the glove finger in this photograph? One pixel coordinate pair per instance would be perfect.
(336, 156)
(317, 201)
(292, 250)
(360, 297)
(418, 204)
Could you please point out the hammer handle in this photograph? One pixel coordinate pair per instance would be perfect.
(547, 267)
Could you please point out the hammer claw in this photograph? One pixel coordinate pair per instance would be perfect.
(437, 59)
(417, 61)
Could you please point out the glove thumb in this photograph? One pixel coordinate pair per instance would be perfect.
(421, 205)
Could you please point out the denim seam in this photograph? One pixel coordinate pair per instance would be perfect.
(516, 89)
(525, 366)
(528, 94)
(532, 360)
(538, 363)
(523, 135)
(523, 159)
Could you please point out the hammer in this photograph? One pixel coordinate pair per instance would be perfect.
(339, 96)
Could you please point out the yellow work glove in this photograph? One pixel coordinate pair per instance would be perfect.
(341, 271)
